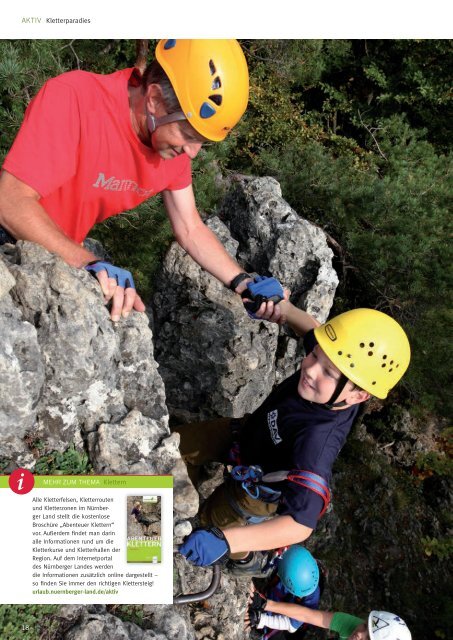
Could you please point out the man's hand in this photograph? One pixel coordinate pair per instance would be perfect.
(118, 286)
(205, 547)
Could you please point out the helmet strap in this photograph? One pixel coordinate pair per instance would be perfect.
(154, 122)
(331, 404)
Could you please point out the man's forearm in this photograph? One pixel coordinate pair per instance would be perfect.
(272, 534)
(206, 249)
(25, 219)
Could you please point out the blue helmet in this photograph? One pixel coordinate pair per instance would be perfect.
(298, 571)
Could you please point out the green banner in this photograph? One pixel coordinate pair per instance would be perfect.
(97, 482)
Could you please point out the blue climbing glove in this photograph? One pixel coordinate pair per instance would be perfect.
(262, 289)
(205, 547)
(123, 277)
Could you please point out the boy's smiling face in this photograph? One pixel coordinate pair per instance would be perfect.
(319, 378)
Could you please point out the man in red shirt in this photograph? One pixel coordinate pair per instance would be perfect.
(92, 146)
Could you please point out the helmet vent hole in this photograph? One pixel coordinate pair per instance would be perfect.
(384, 357)
(340, 353)
(391, 361)
(349, 355)
(383, 365)
(370, 353)
(362, 344)
(169, 44)
(352, 365)
(390, 370)
(212, 67)
(371, 344)
(216, 83)
(216, 99)
(374, 382)
(397, 366)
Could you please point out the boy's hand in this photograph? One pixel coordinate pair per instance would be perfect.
(273, 312)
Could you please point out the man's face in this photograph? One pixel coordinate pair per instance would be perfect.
(319, 378)
(360, 633)
(171, 140)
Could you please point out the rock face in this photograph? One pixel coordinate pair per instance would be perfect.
(214, 360)
(96, 623)
(69, 375)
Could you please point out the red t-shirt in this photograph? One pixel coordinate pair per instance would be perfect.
(77, 149)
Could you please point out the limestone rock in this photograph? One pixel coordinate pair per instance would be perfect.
(215, 360)
(71, 376)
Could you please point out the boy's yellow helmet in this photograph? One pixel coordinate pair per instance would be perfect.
(211, 81)
(368, 347)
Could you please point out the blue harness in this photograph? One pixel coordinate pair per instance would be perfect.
(251, 479)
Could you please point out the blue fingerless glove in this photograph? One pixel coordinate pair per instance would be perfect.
(123, 276)
(262, 289)
(205, 547)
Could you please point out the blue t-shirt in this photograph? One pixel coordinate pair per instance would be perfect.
(287, 432)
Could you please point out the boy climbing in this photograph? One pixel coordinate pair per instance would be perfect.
(296, 579)
(284, 451)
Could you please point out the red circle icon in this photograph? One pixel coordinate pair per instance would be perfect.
(21, 481)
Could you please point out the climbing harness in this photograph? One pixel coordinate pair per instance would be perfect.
(251, 478)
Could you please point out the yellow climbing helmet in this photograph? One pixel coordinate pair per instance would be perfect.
(368, 347)
(211, 81)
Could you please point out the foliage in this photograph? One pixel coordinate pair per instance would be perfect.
(130, 613)
(137, 241)
(440, 462)
(389, 545)
(441, 548)
(69, 462)
(19, 622)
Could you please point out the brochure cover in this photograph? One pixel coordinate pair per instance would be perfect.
(144, 543)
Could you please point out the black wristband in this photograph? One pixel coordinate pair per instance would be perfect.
(236, 281)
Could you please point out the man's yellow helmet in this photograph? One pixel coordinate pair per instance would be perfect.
(369, 347)
(211, 81)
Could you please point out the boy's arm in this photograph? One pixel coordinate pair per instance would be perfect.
(315, 617)
(207, 546)
(277, 621)
(272, 534)
(286, 313)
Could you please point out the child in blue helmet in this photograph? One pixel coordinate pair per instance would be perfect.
(295, 580)
(380, 625)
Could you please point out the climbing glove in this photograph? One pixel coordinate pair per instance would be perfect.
(262, 289)
(256, 606)
(258, 601)
(123, 277)
(205, 547)
(254, 617)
